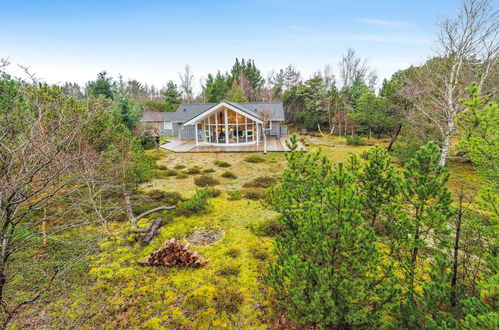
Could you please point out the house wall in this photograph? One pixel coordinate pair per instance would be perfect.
(186, 132)
(277, 129)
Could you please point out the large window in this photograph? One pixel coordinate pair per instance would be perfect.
(228, 127)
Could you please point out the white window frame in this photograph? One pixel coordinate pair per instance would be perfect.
(168, 125)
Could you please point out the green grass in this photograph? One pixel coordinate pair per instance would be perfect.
(110, 290)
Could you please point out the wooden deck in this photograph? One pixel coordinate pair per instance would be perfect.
(273, 145)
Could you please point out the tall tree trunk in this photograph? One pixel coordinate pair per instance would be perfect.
(393, 137)
(455, 257)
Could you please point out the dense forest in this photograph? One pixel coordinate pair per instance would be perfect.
(401, 232)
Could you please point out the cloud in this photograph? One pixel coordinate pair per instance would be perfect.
(387, 23)
(378, 38)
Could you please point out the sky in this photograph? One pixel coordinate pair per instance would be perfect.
(152, 41)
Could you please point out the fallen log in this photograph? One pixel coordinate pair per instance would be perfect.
(153, 232)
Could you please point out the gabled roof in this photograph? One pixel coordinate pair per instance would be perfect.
(158, 116)
(186, 112)
(233, 106)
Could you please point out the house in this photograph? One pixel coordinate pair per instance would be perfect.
(225, 123)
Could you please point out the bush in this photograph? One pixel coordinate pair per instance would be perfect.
(151, 105)
(355, 140)
(222, 163)
(171, 173)
(254, 193)
(229, 270)
(179, 167)
(228, 300)
(406, 151)
(260, 254)
(205, 181)
(270, 227)
(215, 192)
(261, 182)
(193, 170)
(208, 170)
(234, 195)
(167, 197)
(233, 253)
(162, 167)
(197, 204)
(254, 159)
(148, 142)
(229, 175)
(181, 175)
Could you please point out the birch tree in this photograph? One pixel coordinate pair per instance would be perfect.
(468, 51)
(186, 81)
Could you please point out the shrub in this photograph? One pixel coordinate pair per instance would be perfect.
(179, 167)
(162, 167)
(269, 227)
(355, 140)
(151, 105)
(233, 253)
(406, 151)
(254, 159)
(208, 170)
(229, 175)
(181, 175)
(167, 197)
(205, 181)
(260, 182)
(229, 270)
(254, 193)
(260, 254)
(197, 204)
(222, 163)
(214, 192)
(195, 302)
(193, 170)
(148, 142)
(234, 195)
(171, 173)
(228, 300)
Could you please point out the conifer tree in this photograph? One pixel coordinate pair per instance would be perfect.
(378, 184)
(326, 269)
(423, 227)
(171, 96)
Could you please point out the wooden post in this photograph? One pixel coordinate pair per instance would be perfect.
(226, 126)
(196, 133)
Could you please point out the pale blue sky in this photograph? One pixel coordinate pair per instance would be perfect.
(152, 40)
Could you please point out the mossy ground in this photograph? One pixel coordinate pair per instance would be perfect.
(112, 290)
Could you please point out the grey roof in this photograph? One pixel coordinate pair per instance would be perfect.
(186, 112)
(158, 116)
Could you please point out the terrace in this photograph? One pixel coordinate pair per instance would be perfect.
(273, 145)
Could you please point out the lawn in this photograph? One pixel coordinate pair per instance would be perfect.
(112, 290)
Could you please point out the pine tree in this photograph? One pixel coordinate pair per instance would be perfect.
(216, 87)
(422, 233)
(236, 94)
(171, 96)
(103, 85)
(326, 269)
(378, 184)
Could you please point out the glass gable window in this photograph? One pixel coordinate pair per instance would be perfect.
(226, 126)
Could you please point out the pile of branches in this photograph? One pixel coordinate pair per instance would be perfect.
(174, 254)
